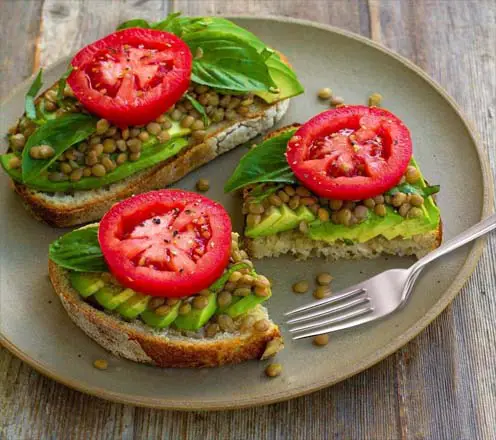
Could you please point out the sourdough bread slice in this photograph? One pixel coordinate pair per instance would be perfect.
(64, 210)
(303, 247)
(167, 347)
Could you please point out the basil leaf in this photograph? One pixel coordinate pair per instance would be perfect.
(150, 156)
(408, 188)
(230, 64)
(167, 24)
(62, 83)
(30, 108)
(218, 285)
(265, 163)
(61, 134)
(135, 23)
(199, 108)
(79, 250)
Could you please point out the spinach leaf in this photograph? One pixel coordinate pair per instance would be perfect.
(60, 134)
(199, 108)
(30, 108)
(265, 163)
(79, 250)
(408, 188)
(230, 64)
(135, 23)
(62, 83)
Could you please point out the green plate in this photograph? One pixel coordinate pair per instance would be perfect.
(34, 326)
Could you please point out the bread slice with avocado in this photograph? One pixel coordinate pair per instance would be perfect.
(124, 121)
(130, 325)
(287, 218)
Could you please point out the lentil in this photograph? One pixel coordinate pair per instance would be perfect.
(303, 192)
(325, 93)
(261, 291)
(415, 212)
(403, 209)
(337, 100)
(184, 309)
(308, 201)
(203, 185)
(102, 126)
(300, 287)
(321, 292)
(416, 200)
(34, 152)
(369, 203)
(361, 212)
(344, 216)
(225, 323)
(273, 370)
(323, 214)
(321, 340)
(262, 281)
(14, 162)
(187, 121)
(375, 100)
(211, 330)
(121, 158)
(398, 199)
(98, 170)
(224, 298)
(262, 325)
(303, 227)
(335, 205)
(289, 190)
(324, 278)
(100, 364)
(200, 302)
(242, 291)
(65, 168)
(294, 202)
(247, 323)
(156, 302)
(162, 310)
(412, 175)
(255, 208)
(380, 210)
(275, 200)
(283, 196)
(76, 175)
(163, 136)
(17, 141)
(133, 157)
(144, 136)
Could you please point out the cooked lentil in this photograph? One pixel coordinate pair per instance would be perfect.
(321, 340)
(262, 325)
(325, 93)
(273, 370)
(324, 278)
(203, 185)
(322, 292)
(100, 364)
(301, 287)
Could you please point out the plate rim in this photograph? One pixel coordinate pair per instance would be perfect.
(447, 296)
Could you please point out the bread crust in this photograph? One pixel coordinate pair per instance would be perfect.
(221, 138)
(140, 343)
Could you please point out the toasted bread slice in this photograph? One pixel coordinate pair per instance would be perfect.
(167, 347)
(301, 246)
(64, 210)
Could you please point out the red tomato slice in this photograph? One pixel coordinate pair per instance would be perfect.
(350, 153)
(168, 243)
(132, 76)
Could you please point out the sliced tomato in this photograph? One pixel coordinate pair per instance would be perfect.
(350, 153)
(168, 243)
(132, 76)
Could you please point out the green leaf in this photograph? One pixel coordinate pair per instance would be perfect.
(265, 163)
(79, 250)
(258, 194)
(32, 92)
(166, 25)
(219, 284)
(230, 64)
(62, 83)
(61, 134)
(408, 188)
(135, 23)
(199, 108)
(150, 155)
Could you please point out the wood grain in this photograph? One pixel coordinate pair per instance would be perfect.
(440, 386)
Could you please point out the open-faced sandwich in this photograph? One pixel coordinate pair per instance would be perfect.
(342, 185)
(161, 280)
(141, 108)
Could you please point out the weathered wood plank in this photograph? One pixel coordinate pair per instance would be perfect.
(20, 28)
(446, 377)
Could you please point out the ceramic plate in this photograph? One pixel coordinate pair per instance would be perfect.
(34, 326)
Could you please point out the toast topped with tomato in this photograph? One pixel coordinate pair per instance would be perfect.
(161, 280)
(342, 185)
(140, 109)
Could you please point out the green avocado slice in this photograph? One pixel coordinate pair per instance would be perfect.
(110, 297)
(273, 215)
(197, 318)
(154, 320)
(134, 306)
(287, 221)
(246, 303)
(86, 283)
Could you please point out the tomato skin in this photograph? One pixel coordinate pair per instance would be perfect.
(129, 230)
(114, 63)
(324, 169)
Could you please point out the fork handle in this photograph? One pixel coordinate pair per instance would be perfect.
(481, 228)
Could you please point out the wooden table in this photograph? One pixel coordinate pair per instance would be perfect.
(442, 385)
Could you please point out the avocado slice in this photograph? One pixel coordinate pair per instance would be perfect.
(154, 320)
(246, 303)
(220, 310)
(110, 297)
(197, 318)
(273, 215)
(86, 283)
(134, 306)
(304, 214)
(287, 221)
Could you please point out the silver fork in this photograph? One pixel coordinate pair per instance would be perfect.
(374, 298)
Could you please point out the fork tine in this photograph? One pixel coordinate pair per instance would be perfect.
(338, 318)
(333, 309)
(334, 298)
(334, 328)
